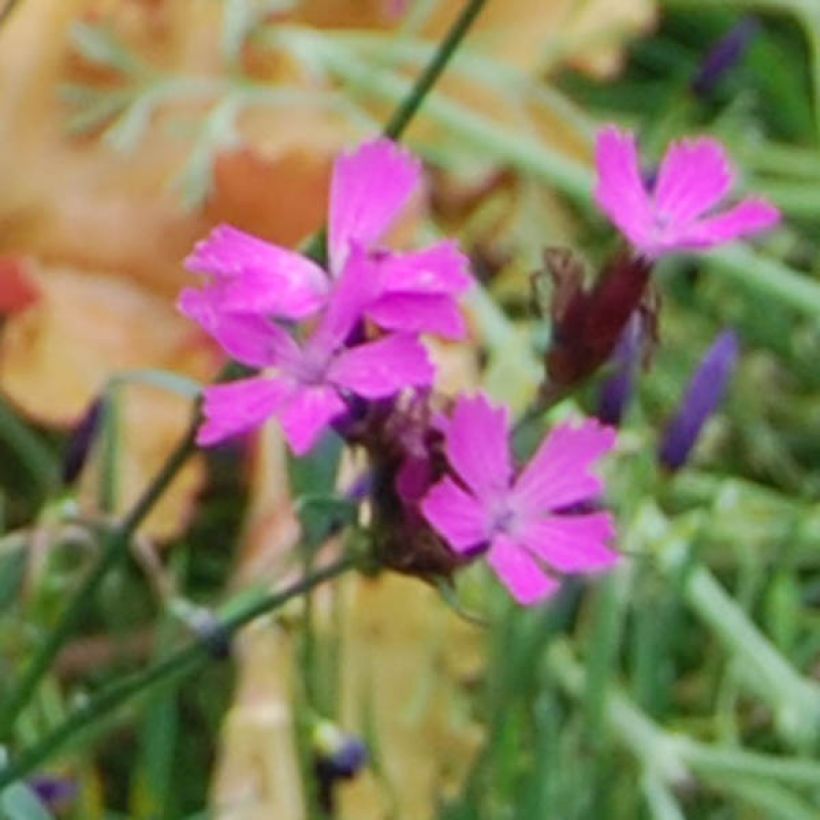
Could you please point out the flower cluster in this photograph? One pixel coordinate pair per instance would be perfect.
(341, 346)
(359, 323)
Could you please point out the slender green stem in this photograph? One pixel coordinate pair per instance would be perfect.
(184, 661)
(795, 700)
(33, 453)
(115, 546)
(671, 759)
(408, 108)
(410, 102)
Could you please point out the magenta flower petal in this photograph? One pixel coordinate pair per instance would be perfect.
(441, 268)
(356, 288)
(369, 189)
(573, 543)
(747, 217)
(382, 368)
(520, 573)
(250, 339)
(558, 475)
(230, 409)
(694, 176)
(620, 192)
(306, 413)
(457, 516)
(527, 524)
(419, 313)
(257, 276)
(477, 446)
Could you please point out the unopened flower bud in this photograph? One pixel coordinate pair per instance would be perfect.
(81, 441)
(724, 56)
(338, 755)
(54, 792)
(616, 391)
(587, 323)
(702, 398)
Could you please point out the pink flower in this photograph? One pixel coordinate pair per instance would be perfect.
(677, 214)
(412, 292)
(310, 385)
(522, 520)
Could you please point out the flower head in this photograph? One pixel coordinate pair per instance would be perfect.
(252, 284)
(310, 384)
(677, 213)
(370, 188)
(522, 520)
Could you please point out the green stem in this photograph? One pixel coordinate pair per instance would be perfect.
(728, 763)
(670, 759)
(34, 455)
(522, 152)
(404, 114)
(115, 546)
(795, 700)
(414, 95)
(180, 663)
(768, 276)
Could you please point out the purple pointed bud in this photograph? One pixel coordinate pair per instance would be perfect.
(79, 445)
(616, 391)
(54, 792)
(702, 398)
(724, 56)
(338, 756)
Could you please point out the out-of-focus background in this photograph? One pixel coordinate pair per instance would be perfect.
(128, 128)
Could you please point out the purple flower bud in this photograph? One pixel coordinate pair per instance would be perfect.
(339, 756)
(724, 56)
(702, 398)
(616, 391)
(79, 445)
(53, 792)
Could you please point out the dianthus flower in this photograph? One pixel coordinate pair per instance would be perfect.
(310, 384)
(252, 284)
(370, 188)
(524, 521)
(675, 213)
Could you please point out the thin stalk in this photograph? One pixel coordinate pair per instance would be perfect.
(795, 699)
(671, 759)
(33, 453)
(404, 114)
(115, 546)
(179, 664)
(410, 102)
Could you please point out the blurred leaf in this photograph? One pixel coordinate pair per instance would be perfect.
(100, 46)
(86, 329)
(13, 561)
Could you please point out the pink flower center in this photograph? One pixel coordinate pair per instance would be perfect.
(504, 517)
(311, 369)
